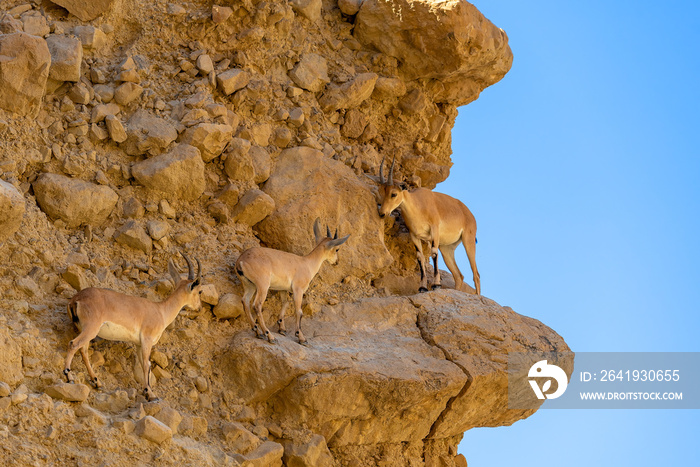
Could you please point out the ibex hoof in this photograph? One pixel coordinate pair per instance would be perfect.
(436, 286)
(282, 332)
(305, 343)
(96, 383)
(422, 289)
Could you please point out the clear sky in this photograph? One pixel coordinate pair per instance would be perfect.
(582, 169)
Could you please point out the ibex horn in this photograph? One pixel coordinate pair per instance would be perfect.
(190, 267)
(391, 172)
(381, 171)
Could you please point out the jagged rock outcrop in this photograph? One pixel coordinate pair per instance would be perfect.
(24, 68)
(447, 42)
(424, 365)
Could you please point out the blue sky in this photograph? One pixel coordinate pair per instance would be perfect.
(582, 169)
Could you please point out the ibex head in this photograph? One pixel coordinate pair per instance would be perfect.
(192, 286)
(390, 195)
(331, 243)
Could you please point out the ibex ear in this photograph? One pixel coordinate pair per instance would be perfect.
(174, 274)
(317, 230)
(338, 241)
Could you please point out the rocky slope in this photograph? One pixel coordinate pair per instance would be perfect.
(132, 129)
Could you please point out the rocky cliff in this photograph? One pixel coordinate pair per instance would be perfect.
(131, 130)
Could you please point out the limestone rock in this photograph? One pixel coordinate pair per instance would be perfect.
(229, 306)
(311, 73)
(115, 129)
(219, 14)
(69, 392)
(11, 356)
(86, 10)
(350, 94)
(169, 417)
(101, 111)
(209, 138)
(261, 163)
(127, 92)
(34, 23)
(338, 198)
(312, 452)
(386, 87)
(239, 439)
(310, 9)
(232, 80)
(75, 276)
(253, 207)
(209, 294)
(239, 164)
(74, 201)
(448, 319)
(90, 37)
(326, 386)
(148, 134)
(349, 7)
(178, 173)
(134, 235)
(157, 229)
(5, 389)
(11, 210)
(457, 45)
(66, 57)
(268, 454)
(153, 430)
(25, 61)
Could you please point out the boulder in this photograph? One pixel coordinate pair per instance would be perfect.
(66, 57)
(179, 174)
(86, 10)
(147, 133)
(239, 439)
(349, 7)
(268, 454)
(232, 80)
(311, 73)
(339, 198)
(457, 46)
(209, 138)
(311, 452)
(74, 201)
(310, 9)
(90, 37)
(11, 210)
(350, 94)
(127, 92)
(229, 306)
(169, 417)
(134, 235)
(115, 129)
(253, 207)
(69, 392)
(25, 61)
(153, 429)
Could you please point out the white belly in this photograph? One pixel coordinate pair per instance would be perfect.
(117, 332)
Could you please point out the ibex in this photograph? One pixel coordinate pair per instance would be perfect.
(118, 317)
(261, 269)
(436, 218)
